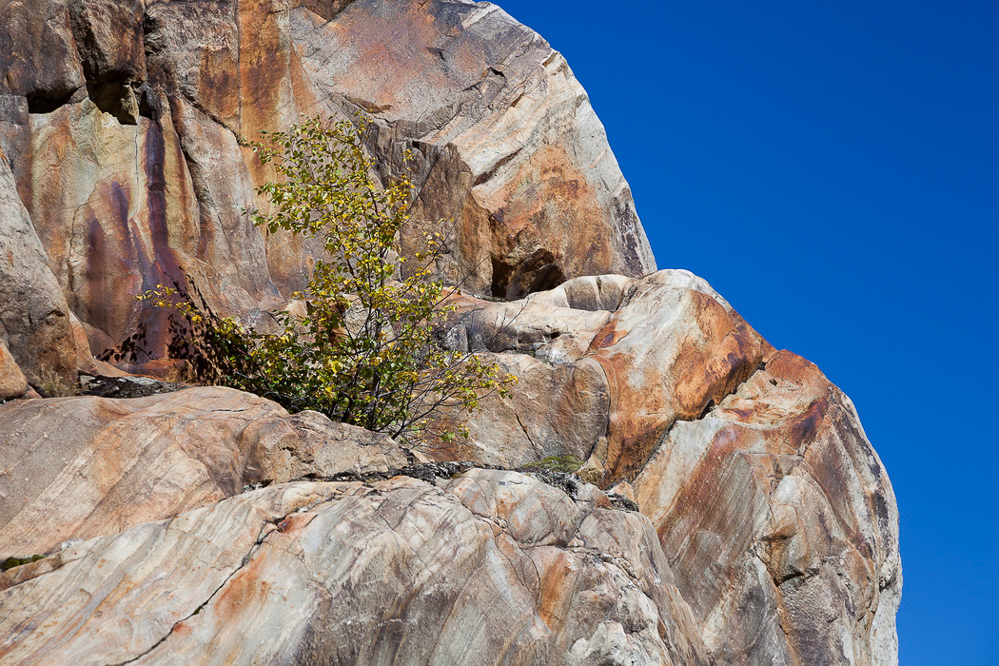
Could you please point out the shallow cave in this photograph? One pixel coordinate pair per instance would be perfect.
(538, 272)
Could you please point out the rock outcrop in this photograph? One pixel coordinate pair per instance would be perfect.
(76, 468)
(768, 530)
(124, 127)
(207, 524)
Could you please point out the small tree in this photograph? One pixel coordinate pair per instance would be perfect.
(364, 350)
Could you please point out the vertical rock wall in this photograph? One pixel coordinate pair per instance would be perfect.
(123, 136)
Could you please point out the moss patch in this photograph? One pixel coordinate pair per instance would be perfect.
(566, 464)
(12, 562)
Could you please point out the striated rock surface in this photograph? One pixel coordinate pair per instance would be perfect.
(773, 509)
(75, 468)
(768, 530)
(494, 567)
(780, 491)
(666, 349)
(511, 147)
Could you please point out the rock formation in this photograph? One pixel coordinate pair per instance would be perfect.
(124, 135)
(207, 524)
(774, 511)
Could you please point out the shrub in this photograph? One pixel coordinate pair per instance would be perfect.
(364, 350)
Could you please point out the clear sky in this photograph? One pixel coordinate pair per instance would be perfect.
(832, 168)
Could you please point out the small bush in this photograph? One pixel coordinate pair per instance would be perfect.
(364, 351)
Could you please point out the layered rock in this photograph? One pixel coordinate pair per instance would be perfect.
(780, 492)
(667, 348)
(768, 534)
(76, 468)
(768, 530)
(494, 567)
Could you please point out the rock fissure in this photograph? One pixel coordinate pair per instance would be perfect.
(254, 548)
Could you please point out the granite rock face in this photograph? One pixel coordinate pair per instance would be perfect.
(34, 317)
(208, 524)
(123, 132)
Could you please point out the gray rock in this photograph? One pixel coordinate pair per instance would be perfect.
(33, 311)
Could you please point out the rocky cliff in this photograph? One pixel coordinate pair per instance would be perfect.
(731, 509)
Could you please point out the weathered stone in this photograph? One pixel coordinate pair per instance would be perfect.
(773, 532)
(109, 37)
(144, 182)
(33, 311)
(12, 381)
(401, 572)
(669, 352)
(192, 50)
(780, 492)
(39, 59)
(498, 117)
(777, 516)
(119, 463)
(111, 234)
(543, 324)
(231, 251)
(86, 363)
(671, 349)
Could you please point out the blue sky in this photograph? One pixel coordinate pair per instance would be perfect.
(832, 168)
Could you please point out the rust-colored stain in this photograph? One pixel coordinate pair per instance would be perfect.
(608, 336)
(247, 589)
(556, 592)
(295, 523)
(706, 373)
(646, 398)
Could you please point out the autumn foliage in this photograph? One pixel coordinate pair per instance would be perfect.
(363, 348)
